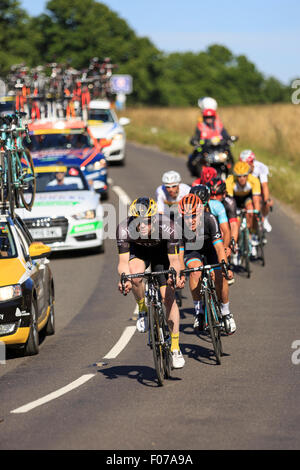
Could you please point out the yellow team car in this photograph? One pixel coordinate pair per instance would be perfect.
(26, 287)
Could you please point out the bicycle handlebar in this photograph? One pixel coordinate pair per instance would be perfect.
(128, 277)
(208, 267)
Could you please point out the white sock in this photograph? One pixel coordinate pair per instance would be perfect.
(198, 305)
(225, 309)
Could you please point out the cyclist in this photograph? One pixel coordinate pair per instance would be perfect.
(218, 193)
(202, 238)
(148, 238)
(261, 171)
(245, 188)
(170, 192)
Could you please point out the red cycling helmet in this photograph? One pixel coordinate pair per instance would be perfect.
(190, 205)
(207, 174)
(209, 113)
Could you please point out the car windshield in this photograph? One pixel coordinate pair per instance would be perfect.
(60, 178)
(58, 141)
(7, 245)
(103, 115)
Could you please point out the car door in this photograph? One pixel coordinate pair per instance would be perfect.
(37, 269)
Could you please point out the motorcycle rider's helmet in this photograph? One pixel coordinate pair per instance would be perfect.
(143, 207)
(202, 191)
(217, 186)
(207, 174)
(241, 169)
(207, 103)
(247, 156)
(171, 178)
(190, 204)
(209, 113)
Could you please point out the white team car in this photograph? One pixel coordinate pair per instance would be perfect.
(67, 214)
(105, 126)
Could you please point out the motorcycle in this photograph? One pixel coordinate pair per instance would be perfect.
(215, 153)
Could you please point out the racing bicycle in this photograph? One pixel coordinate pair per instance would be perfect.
(212, 311)
(17, 177)
(159, 335)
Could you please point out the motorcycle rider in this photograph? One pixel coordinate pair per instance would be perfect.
(209, 129)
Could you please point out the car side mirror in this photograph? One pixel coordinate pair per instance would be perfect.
(123, 121)
(39, 250)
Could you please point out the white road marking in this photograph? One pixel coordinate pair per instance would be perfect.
(125, 199)
(52, 396)
(122, 343)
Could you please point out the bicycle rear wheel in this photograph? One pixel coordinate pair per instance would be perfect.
(27, 189)
(214, 327)
(157, 348)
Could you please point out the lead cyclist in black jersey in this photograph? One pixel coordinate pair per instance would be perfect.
(148, 238)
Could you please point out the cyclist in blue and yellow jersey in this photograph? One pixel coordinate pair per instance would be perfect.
(147, 238)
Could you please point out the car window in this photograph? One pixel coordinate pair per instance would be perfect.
(24, 245)
(58, 141)
(70, 179)
(7, 244)
(103, 115)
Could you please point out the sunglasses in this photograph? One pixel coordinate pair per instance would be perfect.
(171, 186)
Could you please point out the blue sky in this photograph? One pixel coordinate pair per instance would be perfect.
(267, 32)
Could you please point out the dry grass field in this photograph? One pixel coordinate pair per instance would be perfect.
(272, 131)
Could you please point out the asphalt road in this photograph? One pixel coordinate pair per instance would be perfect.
(251, 401)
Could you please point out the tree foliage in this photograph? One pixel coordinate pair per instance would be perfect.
(74, 31)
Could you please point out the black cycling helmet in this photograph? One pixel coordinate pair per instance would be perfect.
(202, 191)
(143, 207)
(217, 186)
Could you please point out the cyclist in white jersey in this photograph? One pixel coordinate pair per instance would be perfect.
(170, 193)
(261, 171)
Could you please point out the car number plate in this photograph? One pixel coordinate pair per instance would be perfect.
(49, 232)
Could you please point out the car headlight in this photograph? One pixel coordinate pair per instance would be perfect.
(10, 292)
(90, 214)
(117, 137)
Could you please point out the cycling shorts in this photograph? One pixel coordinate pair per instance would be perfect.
(154, 256)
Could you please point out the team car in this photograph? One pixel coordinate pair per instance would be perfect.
(26, 287)
(104, 125)
(70, 142)
(67, 213)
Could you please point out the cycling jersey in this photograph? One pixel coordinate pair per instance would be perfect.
(252, 187)
(165, 202)
(202, 241)
(218, 210)
(261, 171)
(163, 232)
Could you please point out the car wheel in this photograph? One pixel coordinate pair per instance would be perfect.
(50, 326)
(32, 346)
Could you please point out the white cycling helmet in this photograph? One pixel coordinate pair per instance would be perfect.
(247, 156)
(171, 178)
(207, 103)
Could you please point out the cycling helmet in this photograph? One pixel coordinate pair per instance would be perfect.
(202, 191)
(143, 207)
(241, 169)
(209, 113)
(217, 186)
(247, 156)
(171, 178)
(207, 103)
(207, 174)
(190, 205)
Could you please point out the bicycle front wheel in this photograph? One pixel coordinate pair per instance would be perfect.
(156, 345)
(214, 326)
